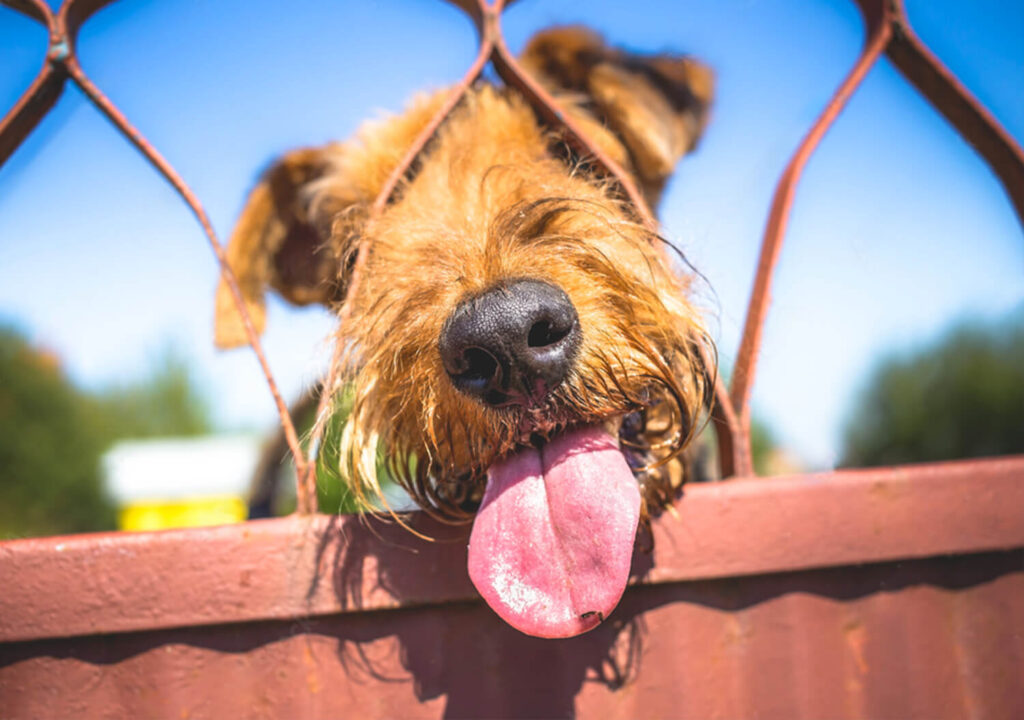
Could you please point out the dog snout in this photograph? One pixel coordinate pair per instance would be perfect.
(512, 345)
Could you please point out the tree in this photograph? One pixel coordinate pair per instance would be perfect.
(960, 397)
(50, 452)
(166, 402)
(763, 445)
(53, 435)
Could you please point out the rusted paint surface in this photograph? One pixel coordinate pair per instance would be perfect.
(299, 567)
(935, 638)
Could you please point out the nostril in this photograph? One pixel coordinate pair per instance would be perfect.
(474, 371)
(478, 365)
(544, 333)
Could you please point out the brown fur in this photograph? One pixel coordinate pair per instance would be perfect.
(496, 197)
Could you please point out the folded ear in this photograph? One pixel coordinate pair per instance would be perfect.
(302, 222)
(278, 244)
(656, 104)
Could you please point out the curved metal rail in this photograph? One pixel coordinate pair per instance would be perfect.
(888, 31)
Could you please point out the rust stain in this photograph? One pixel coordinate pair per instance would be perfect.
(856, 638)
(312, 669)
(881, 489)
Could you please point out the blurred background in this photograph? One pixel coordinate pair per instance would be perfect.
(896, 332)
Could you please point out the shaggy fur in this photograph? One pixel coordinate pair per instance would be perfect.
(496, 197)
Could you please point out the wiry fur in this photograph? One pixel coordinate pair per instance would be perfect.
(495, 198)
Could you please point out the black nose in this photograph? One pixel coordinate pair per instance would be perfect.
(513, 344)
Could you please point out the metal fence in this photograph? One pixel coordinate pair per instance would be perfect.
(888, 32)
(732, 574)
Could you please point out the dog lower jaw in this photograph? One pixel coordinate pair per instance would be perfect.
(552, 543)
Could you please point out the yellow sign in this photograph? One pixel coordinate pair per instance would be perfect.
(185, 512)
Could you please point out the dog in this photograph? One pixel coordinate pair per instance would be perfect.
(520, 349)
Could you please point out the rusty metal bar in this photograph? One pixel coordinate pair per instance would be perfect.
(42, 94)
(512, 73)
(486, 17)
(956, 103)
(771, 245)
(733, 442)
(889, 31)
(300, 567)
(98, 99)
(380, 202)
(62, 63)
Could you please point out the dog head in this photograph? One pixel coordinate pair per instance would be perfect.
(519, 345)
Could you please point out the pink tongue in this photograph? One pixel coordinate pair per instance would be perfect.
(552, 543)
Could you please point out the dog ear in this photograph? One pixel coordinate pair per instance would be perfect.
(656, 104)
(277, 244)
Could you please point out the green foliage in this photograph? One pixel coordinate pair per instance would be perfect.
(49, 450)
(333, 493)
(763, 445)
(961, 397)
(53, 435)
(165, 403)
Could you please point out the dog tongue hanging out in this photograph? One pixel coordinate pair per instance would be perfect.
(548, 563)
(519, 352)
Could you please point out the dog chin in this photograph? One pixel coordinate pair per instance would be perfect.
(552, 542)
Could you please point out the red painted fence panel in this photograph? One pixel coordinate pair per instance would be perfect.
(892, 592)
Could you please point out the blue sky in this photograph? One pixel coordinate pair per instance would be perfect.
(898, 228)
